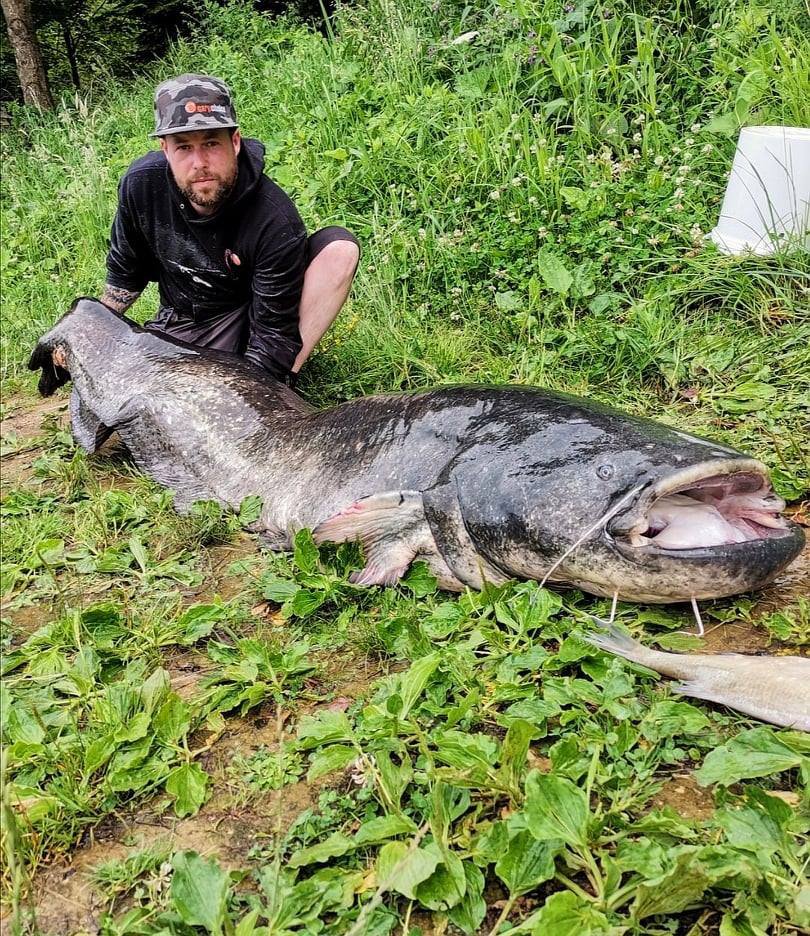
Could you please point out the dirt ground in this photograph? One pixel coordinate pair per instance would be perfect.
(232, 822)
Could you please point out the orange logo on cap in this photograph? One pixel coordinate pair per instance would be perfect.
(191, 107)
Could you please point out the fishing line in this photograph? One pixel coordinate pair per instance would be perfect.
(616, 508)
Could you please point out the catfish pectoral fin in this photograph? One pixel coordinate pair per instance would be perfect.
(88, 430)
(142, 425)
(391, 528)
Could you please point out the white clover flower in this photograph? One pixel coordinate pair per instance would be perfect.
(695, 127)
(455, 291)
(422, 232)
(637, 137)
(542, 232)
(358, 771)
(689, 141)
(707, 148)
(516, 181)
(594, 185)
(532, 200)
(659, 160)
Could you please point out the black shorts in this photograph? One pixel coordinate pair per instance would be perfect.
(227, 332)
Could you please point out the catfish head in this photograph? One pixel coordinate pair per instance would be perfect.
(51, 356)
(587, 496)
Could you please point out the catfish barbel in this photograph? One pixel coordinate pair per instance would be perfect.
(483, 483)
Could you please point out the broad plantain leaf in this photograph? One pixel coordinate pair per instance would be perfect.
(554, 272)
(469, 913)
(334, 757)
(556, 809)
(675, 890)
(446, 887)
(527, 863)
(187, 784)
(334, 846)
(757, 752)
(565, 914)
(199, 891)
(403, 869)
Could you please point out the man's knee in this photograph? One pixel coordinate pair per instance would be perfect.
(338, 260)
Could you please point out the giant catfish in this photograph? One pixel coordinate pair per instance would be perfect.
(484, 483)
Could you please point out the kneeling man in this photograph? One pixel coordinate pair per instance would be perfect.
(235, 268)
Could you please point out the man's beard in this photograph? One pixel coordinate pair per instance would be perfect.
(223, 190)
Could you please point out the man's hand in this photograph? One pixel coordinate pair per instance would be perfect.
(117, 299)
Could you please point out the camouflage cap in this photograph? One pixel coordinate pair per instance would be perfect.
(193, 102)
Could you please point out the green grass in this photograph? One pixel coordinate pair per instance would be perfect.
(532, 205)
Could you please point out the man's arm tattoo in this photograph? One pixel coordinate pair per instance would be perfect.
(119, 300)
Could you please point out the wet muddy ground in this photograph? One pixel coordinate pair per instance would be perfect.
(235, 820)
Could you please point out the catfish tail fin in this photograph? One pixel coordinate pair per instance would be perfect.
(614, 640)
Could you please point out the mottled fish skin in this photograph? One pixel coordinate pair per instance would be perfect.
(774, 689)
(484, 483)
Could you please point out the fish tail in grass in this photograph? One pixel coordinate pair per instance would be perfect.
(613, 639)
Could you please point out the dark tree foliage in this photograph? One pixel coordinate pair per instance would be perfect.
(86, 40)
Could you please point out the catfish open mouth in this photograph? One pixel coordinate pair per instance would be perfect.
(689, 511)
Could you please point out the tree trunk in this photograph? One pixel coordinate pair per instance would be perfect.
(30, 67)
(70, 47)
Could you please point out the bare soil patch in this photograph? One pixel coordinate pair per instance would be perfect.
(683, 794)
(20, 429)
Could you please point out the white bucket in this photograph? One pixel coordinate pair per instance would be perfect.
(767, 201)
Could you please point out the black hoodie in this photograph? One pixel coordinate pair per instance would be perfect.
(158, 236)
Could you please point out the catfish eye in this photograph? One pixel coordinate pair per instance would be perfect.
(605, 472)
